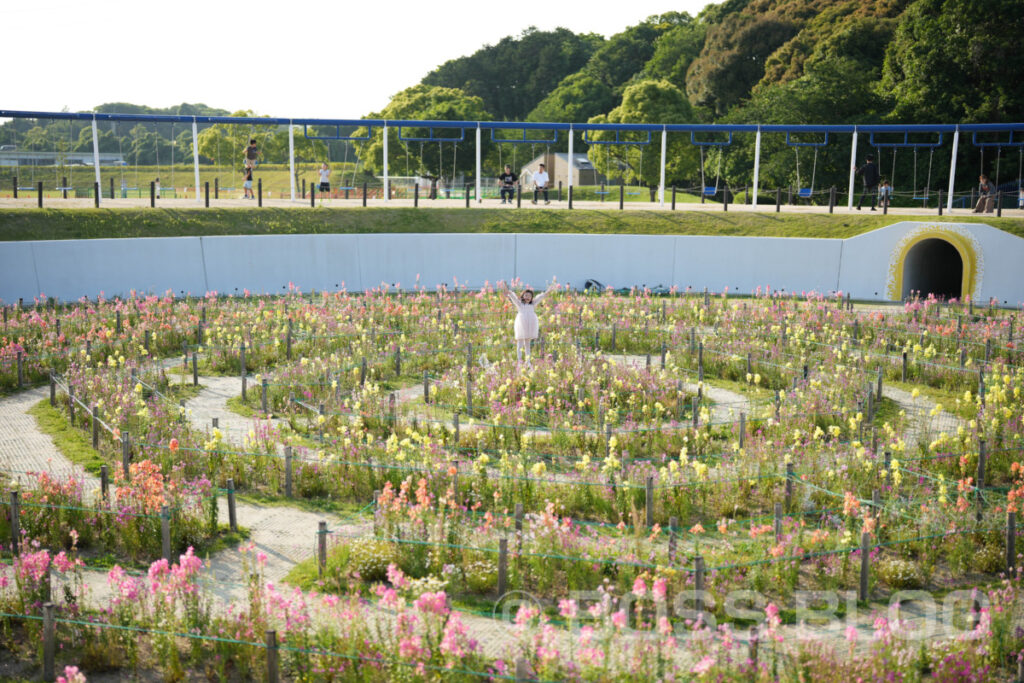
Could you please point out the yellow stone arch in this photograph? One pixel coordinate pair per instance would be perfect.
(964, 245)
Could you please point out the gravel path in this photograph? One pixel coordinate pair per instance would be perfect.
(921, 424)
(24, 449)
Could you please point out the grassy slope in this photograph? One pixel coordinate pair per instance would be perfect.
(47, 224)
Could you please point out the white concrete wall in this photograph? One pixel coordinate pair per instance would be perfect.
(268, 263)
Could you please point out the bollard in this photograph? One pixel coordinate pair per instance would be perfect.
(426, 387)
(698, 582)
(940, 201)
(832, 199)
(165, 531)
(673, 197)
(778, 522)
(725, 198)
(999, 204)
(288, 342)
(195, 369)
(232, 518)
(700, 362)
(650, 501)
(241, 365)
(49, 641)
(789, 486)
(14, 183)
(1011, 541)
(206, 192)
(416, 195)
(622, 197)
(364, 194)
(694, 412)
(467, 196)
(673, 526)
(95, 415)
(259, 192)
(865, 560)
(39, 193)
(15, 524)
(398, 361)
(321, 548)
(126, 455)
(288, 471)
(502, 566)
(216, 188)
(778, 199)
(312, 196)
(272, 667)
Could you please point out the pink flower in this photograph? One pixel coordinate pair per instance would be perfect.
(660, 589)
(525, 614)
(619, 619)
(639, 587)
(851, 634)
(703, 665)
(568, 609)
(62, 563)
(432, 603)
(71, 675)
(396, 577)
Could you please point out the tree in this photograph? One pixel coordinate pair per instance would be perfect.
(427, 159)
(512, 77)
(733, 58)
(225, 143)
(957, 60)
(647, 102)
(675, 50)
(577, 98)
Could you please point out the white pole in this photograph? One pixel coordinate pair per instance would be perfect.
(661, 182)
(952, 169)
(571, 160)
(291, 156)
(385, 191)
(853, 167)
(757, 163)
(96, 156)
(195, 156)
(478, 163)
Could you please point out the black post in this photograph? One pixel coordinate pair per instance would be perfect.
(63, 187)
(39, 192)
(832, 199)
(467, 196)
(216, 188)
(885, 206)
(152, 194)
(14, 181)
(519, 196)
(999, 205)
(111, 187)
(206, 192)
(622, 196)
(416, 195)
(570, 197)
(602, 192)
(673, 197)
(312, 195)
(364, 194)
(940, 202)
(303, 188)
(95, 194)
(259, 192)
(725, 197)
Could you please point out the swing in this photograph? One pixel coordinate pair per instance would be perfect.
(710, 190)
(64, 162)
(805, 192)
(638, 193)
(345, 187)
(923, 196)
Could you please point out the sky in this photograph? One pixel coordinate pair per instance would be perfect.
(311, 59)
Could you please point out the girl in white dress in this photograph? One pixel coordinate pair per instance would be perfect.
(526, 325)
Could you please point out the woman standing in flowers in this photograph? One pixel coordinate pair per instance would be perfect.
(526, 324)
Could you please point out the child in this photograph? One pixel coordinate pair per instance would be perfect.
(884, 193)
(156, 188)
(248, 184)
(526, 325)
(252, 154)
(325, 181)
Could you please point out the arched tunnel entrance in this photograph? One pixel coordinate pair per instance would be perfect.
(933, 266)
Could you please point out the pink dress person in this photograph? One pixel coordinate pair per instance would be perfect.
(526, 324)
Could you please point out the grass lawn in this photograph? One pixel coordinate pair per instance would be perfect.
(52, 224)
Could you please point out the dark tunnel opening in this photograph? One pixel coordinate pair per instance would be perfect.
(933, 266)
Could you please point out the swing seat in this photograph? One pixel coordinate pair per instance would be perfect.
(63, 188)
(633, 194)
(710, 191)
(344, 188)
(804, 192)
(921, 199)
(601, 192)
(30, 188)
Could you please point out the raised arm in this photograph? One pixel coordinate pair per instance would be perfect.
(537, 298)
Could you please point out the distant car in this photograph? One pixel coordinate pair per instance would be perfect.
(7, 148)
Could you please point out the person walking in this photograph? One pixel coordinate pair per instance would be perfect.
(869, 173)
(540, 184)
(325, 181)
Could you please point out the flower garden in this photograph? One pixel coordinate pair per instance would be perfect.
(660, 489)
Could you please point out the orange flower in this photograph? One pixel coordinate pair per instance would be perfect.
(452, 470)
(173, 445)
